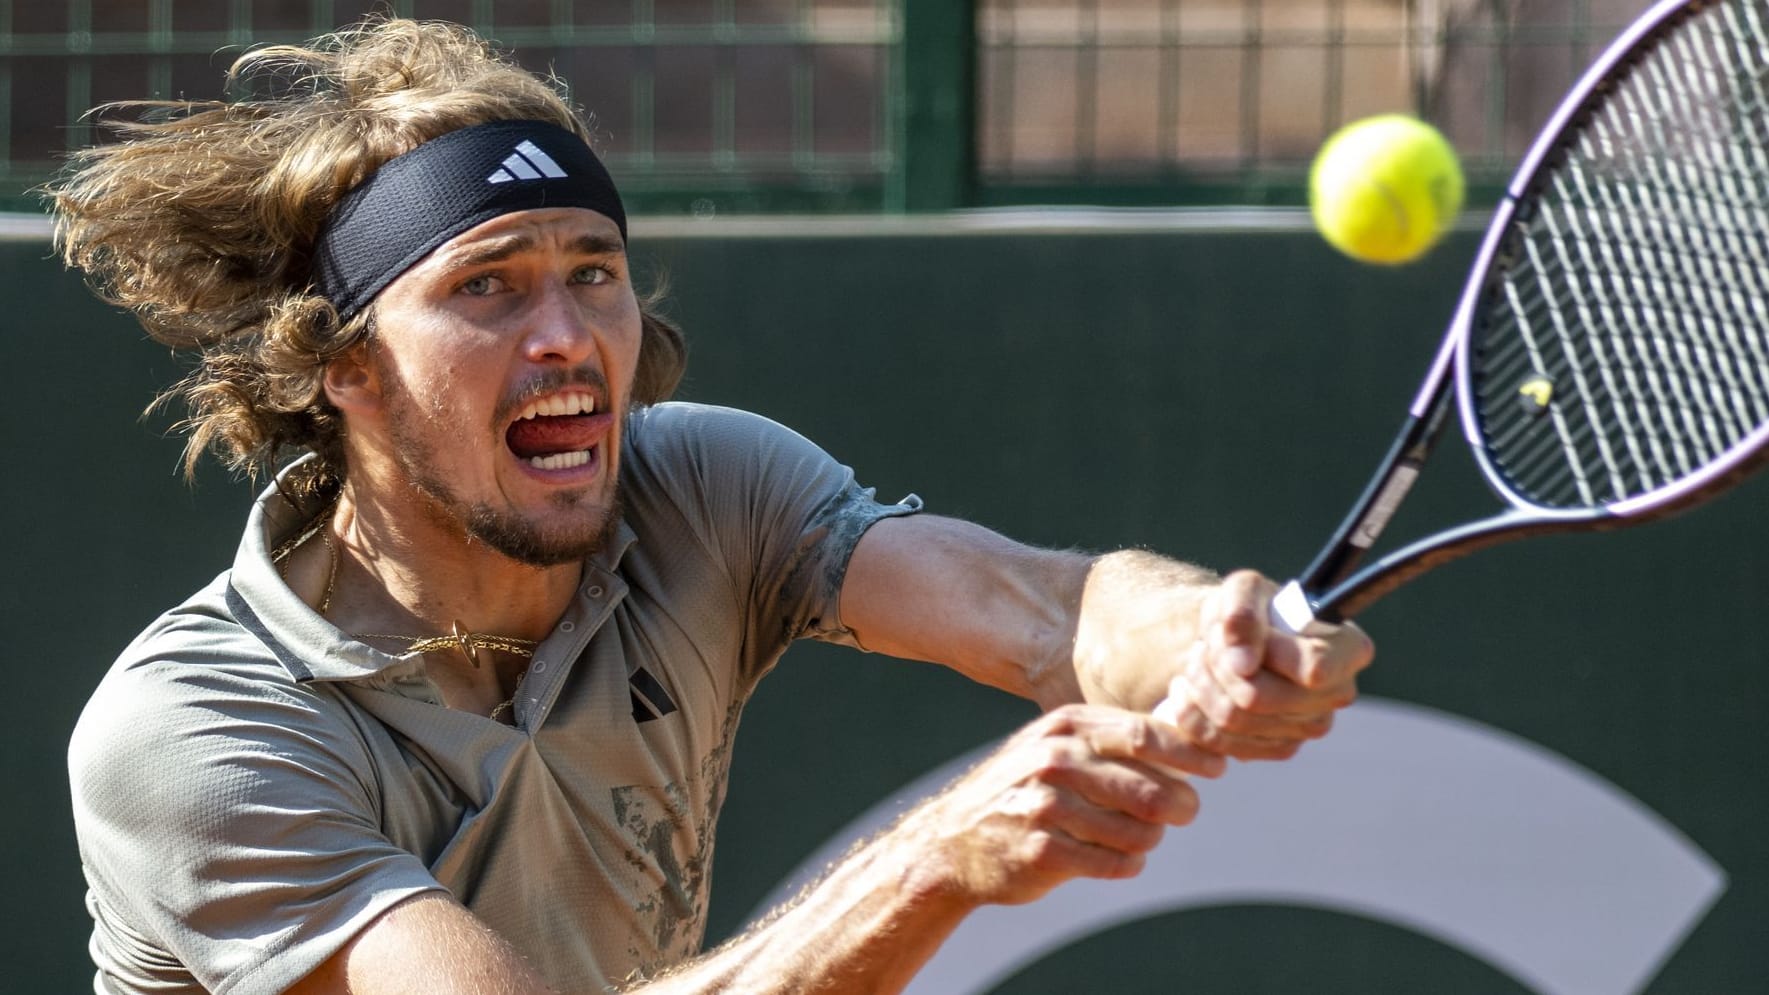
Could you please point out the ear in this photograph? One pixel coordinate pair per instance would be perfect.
(352, 383)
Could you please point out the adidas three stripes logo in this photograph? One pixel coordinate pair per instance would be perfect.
(650, 700)
(528, 162)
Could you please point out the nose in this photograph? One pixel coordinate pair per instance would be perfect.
(559, 331)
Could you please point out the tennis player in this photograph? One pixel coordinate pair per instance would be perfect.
(458, 716)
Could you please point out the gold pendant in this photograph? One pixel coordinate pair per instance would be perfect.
(464, 638)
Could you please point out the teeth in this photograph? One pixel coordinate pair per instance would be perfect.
(574, 403)
(560, 461)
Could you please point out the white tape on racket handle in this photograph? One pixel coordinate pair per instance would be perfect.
(1291, 611)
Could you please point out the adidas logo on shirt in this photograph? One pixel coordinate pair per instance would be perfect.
(528, 162)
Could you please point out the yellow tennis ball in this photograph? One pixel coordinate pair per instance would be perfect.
(1385, 189)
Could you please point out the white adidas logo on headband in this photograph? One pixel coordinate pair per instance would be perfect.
(528, 162)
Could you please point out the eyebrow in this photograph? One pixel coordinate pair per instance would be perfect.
(498, 249)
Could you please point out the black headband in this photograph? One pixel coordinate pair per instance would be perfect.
(419, 200)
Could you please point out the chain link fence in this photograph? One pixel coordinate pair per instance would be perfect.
(721, 106)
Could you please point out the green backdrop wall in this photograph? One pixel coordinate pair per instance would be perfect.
(1211, 391)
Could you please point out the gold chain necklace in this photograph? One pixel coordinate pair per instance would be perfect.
(469, 643)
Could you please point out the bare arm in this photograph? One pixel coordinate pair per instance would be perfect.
(426, 945)
(957, 594)
(1080, 792)
(1125, 629)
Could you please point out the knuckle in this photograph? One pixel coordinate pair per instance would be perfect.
(1139, 737)
(1241, 596)
(1043, 850)
(1046, 769)
(1146, 803)
(1240, 622)
(1044, 805)
(1251, 581)
(1251, 695)
(1049, 760)
(1208, 737)
(1061, 720)
(1223, 713)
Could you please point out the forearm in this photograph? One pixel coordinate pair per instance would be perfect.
(1054, 626)
(957, 594)
(867, 927)
(1080, 791)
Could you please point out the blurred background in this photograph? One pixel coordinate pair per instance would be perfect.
(721, 106)
(1048, 265)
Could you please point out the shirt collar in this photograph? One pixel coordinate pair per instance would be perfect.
(309, 646)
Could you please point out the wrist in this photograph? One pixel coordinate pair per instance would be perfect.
(1139, 611)
(929, 867)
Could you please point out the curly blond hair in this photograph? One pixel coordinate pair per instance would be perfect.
(202, 220)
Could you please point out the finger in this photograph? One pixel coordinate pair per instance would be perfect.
(1057, 855)
(1125, 735)
(1236, 622)
(1318, 662)
(1267, 693)
(1197, 728)
(1168, 709)
(1143, 792)
(1055, 805)
(1302, 716)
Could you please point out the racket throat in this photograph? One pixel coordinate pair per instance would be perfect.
(1381, 497)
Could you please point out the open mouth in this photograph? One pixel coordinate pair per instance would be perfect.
(557, 432)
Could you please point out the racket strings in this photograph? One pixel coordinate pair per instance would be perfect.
(1625, 344)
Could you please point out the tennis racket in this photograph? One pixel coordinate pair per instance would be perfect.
(1609, 357)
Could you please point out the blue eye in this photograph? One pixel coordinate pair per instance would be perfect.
(591, 275)
(481, 286)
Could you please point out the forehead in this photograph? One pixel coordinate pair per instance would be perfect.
(538, 228)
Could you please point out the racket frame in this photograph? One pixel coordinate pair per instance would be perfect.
(1334, 588)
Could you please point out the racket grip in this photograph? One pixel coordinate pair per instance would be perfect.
(1291, 613)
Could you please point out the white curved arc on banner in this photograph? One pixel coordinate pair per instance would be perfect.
(1432, 822)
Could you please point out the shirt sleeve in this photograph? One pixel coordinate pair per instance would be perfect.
(228, 824)
(783, 515)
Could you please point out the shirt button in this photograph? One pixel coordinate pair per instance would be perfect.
(540, 667)
(594, 591)
(566, 626)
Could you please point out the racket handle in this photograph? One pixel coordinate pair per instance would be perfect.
(1292, 613)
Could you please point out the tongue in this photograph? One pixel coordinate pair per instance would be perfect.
(546, 435)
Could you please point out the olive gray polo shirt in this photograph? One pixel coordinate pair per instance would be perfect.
(252, 786)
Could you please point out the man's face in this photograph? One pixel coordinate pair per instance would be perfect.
(505, 362)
